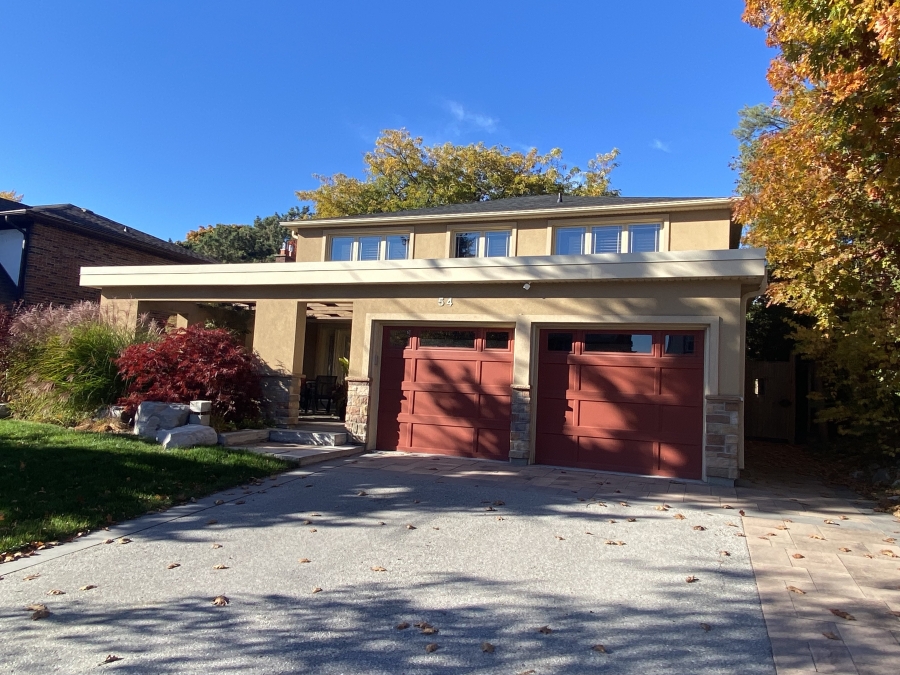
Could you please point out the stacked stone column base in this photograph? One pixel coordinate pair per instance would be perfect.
(724, 415)
(520, 424)
(357, 417)
(282, 396)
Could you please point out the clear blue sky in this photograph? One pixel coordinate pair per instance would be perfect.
(166, 115)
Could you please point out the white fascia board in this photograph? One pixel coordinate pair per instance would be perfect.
(670, 265)
(555, 212)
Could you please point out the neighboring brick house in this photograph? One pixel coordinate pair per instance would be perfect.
(43, 248)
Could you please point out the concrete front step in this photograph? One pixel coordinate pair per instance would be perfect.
(308, 437)
(316, 437)
(304, 454)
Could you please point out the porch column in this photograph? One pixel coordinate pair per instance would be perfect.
(122, 312)
(278, 337)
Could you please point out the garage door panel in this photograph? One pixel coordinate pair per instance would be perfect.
(445, 370)
(610, 454)
(556, 449)
(444, 404)
(493, 372)
(494, 407)
(614, 381)
(555, 414)
(554, 378)
(680, 460)
(682, 383)
(680, 424)
(493, 443)
(434, 437)
(622, 416)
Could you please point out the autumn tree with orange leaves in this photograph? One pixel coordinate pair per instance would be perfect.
(820, 190)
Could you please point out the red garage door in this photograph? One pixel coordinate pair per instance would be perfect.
(446, 391)
(629, 401)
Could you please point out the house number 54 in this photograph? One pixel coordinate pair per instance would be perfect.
(445, 302)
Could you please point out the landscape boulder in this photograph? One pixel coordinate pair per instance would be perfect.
(187, 436)
(4, 410)
(153, 416)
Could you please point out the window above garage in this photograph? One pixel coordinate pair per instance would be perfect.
(482, 244)
(608, 238)
(369, 247)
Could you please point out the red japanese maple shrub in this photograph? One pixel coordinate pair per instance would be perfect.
(195, 363)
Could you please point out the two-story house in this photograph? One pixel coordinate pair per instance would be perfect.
(593, 332)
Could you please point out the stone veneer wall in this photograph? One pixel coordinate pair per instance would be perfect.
(723, 435)
(357, 418)
(520, 425)
(282, 396)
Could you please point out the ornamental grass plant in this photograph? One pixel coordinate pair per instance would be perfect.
(60, 361)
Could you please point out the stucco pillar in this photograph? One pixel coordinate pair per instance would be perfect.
(279, 334)
(520, 396)
(724, 422)
(122, 312)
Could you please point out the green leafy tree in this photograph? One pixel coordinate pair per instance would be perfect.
(820, 190)
(403, 173)
(259, 242)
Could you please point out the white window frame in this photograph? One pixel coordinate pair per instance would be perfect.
(662, 222)
(481, 230)
(357, 234)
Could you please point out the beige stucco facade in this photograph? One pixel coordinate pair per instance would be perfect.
(697, 280)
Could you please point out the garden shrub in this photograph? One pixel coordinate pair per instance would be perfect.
(195, 363)
(60, 361)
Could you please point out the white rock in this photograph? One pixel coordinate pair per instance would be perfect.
(153, 416)
(187, 436)
(201, 406)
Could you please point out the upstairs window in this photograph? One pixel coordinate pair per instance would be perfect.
(636, 238)
(370, 247)
(485, 244)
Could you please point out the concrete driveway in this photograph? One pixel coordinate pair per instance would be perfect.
(484, 552)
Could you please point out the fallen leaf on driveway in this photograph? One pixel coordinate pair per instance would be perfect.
(798, 591)
(361, 493)
(304, 560)
(660, 508)
(726, 506)
(781, 527)
(379, 568)
(124, 540)
(312, 529)
(706, 627)
(220, 601)
(678, 516)
(500, 518)
(817, 536)
(216, 546)
(220, 566)
(612, 522)
(622, 504)
(108, 541)
(691, 579)
(381, 522)
(35, 607)
(240, 501)
(739, 534)
(313, 515)
(600, 648)
(110, 658)
(317, 590)
(725, 553)
(828, 521)
(731, 524)
(55, 591)
(172, 566)
(844, 615)
(546, 630)
(31, 577)
(219, 502)
(526, 672)
(590, 533)
(844, 549)
(429, 630)
(489, 508)
(798, 556)
(306, 522)
(89, 587)
(499, 502)
(844, 518)
(212, 521)
(632, 520)
(40, 614)
(487, 647)
(869, 555)
(410, 527)
(830, 635)
(699, 528)
(432, 647)
(403, 625)
(889, 553)
(610, 542)
(741, 512)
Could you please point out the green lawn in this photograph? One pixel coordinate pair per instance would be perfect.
(55, 482)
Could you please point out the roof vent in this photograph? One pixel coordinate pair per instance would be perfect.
(559, 198)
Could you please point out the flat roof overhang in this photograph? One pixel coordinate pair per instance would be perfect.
(243, 280)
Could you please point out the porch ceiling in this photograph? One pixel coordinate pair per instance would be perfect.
(340, 309)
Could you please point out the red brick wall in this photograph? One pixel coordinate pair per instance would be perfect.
(55, 258)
